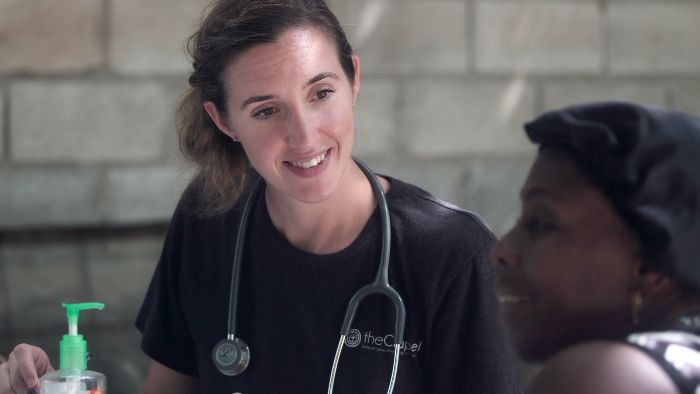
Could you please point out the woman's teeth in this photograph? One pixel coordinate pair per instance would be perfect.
(310, 163)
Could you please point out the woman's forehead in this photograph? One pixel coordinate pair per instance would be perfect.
(554, 174)
(297, 51)
(555, 177)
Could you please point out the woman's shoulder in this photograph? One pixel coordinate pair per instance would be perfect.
(424, 213)
(602, 367)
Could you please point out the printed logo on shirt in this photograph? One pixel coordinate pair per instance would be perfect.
(380, 343)
(354, 338)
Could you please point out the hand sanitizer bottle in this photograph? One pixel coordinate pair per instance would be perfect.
(73, 376)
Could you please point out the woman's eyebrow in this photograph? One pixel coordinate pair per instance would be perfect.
(321, 76)
(255, 99)
(533, 192)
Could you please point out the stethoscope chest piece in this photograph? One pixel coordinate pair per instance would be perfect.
(231, 356)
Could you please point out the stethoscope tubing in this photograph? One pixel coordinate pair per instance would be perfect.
(238, 257)
(380, 285)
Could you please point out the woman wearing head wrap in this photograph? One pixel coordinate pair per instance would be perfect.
(599, 279)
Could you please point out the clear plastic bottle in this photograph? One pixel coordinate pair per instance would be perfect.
(73, 376)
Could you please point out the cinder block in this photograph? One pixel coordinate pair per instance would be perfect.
(2, 124)
(150, 36)
(538, 36)
(492, 189)
(88, 121)
(560, 94)
(48, 197)
(49, 36)
(444, 178)
(113, 263)
(6, 328)
(42, 275)
(375, 117)
(406, 36)
(649, 37)
(457, 117)
(143, 194)
(488, 187)
(686, 97)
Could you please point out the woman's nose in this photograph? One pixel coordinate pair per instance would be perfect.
(504, 252)
(301, 129)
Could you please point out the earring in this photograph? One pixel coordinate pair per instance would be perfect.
(636, 306)
(235, 139)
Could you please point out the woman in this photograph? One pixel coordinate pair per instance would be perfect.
(599, 280)
(272, 95)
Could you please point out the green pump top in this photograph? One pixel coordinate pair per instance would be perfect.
(73, 347)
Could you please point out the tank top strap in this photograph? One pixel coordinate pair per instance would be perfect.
(677, 352)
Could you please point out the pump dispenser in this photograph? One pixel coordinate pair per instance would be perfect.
(73, 376)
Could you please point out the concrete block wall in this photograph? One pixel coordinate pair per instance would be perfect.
(89, 170)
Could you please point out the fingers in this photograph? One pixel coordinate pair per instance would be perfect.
(5, 387)
(26, 364)
(41, 361)
(18, 384)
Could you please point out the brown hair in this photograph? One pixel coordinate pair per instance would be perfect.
(228, 29)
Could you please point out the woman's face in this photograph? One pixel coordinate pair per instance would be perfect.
(291, 106)
(566, 268)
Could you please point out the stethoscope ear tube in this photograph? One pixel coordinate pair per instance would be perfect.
(389, 292)
(379, 286)
(381, 281)
(399, 320)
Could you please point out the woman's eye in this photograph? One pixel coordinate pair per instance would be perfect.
(324, 93)
(536, 226)
(265, 113)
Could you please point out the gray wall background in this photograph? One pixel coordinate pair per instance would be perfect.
(89, 169)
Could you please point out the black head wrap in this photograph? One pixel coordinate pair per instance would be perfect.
(647, 161)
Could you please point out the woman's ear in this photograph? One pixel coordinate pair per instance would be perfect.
(655, 280)
(652, 281)
(219, 120)
(356, 78)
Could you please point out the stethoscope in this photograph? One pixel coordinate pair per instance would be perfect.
(232, 355)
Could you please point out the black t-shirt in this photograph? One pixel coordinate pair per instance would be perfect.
(292, 304)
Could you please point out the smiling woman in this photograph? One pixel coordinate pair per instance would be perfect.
(600, 277)
(289, 104)
(562, 294)
(269, 122)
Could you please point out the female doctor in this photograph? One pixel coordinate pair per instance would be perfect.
(271, 97)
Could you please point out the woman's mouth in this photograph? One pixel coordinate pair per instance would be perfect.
(508, 299)
(306, 164)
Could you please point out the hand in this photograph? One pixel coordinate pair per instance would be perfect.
(23, 368)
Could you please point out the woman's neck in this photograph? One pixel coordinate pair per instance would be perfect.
(330, 225)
